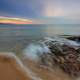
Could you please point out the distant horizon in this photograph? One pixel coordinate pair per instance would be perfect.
(40, 20)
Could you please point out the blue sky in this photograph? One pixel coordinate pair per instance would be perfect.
(22, 8)
(40, 8)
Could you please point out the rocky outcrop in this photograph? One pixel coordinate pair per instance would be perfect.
(62, 54)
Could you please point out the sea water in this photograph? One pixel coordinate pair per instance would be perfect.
(14, 37)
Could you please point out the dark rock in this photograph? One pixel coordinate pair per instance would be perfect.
(64, 56)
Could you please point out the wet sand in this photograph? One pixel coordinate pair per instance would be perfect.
(10, 70)
(46, 74)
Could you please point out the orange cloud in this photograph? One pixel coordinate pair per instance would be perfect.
(15, 21)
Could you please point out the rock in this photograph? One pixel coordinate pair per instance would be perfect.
(56, 52)
(63, 54)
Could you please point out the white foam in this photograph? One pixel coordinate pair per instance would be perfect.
(33, 51)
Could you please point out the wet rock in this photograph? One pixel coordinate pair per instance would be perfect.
(63, 55)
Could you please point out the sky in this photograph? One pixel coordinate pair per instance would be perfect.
(40, 8)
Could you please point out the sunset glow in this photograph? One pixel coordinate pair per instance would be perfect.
(6, 20)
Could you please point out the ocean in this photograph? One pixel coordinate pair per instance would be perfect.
(16, 37)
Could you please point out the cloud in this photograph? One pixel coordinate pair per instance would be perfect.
(65, 8)
(52, 12)
(51, 9)
(41, 8)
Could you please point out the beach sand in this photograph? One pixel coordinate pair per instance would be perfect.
(10, 69)
(44, 73)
